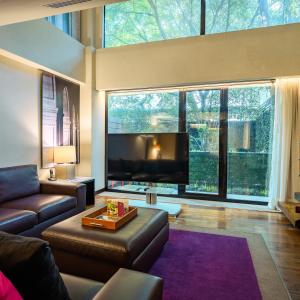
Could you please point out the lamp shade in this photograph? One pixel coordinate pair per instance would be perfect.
(64, 154)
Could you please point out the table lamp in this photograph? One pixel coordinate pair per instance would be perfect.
(64, 159)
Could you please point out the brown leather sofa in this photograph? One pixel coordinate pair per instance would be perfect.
(124, 285)
(29, 264)
(28, 206)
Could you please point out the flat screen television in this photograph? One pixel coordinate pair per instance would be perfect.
(148, 157)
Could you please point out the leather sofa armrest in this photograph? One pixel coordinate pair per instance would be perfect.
(77, 190)
(129, 285)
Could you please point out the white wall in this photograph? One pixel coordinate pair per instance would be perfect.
(243, 55)
(93, 112)
(20, 119)
(85, 166)
(43, 46)
(98, 139)
(19, 114)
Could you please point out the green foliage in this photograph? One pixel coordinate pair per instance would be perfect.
(140, 21)
(148, 112)
(247, 173)
(231, 15)
(203, 113)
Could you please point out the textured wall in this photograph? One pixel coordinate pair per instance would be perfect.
(242, 55)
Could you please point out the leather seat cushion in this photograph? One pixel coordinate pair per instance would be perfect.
(16, 221)
(45, 205)
(17, 182)
(81, 288)
(120, 247)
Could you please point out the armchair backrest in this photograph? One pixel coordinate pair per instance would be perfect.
(17, 182)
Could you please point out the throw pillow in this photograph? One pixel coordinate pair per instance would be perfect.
(7, 290)
(29, 264)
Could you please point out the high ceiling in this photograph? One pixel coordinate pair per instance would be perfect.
(14, 11)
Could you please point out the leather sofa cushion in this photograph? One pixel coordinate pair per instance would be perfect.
(45, 205)
(29, 264)
(16, 221)
(81, 288)
(120, 247)
(17, 182)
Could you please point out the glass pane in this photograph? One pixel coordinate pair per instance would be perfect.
(231, 15)
(203, 114)
(142, 21)
(250, 124)
(143, 113)
(62, 22)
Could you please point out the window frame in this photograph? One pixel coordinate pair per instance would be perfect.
(223, 144)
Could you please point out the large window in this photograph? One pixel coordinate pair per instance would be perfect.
(141, 21)
(230, 132)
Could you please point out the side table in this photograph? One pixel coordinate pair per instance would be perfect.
(90, 188)
(291, 209)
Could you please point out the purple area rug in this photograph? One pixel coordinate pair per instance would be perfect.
(206, 266)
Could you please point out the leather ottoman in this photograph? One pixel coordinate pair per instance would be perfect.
(97, 254)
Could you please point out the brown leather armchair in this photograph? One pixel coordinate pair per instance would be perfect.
(28, 206)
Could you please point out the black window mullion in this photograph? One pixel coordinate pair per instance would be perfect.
(103, 27)
(106, 141)
(203, 16)
(182, 112)
(182, 127)
(223, 142)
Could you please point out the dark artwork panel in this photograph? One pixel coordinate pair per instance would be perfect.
(60, 116)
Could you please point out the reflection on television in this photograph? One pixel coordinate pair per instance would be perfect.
(151, 157)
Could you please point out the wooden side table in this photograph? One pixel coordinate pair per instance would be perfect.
(90, 188)
(291, 210)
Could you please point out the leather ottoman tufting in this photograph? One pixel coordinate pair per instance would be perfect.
(97, 254)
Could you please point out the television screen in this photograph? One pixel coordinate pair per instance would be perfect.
(148, 157)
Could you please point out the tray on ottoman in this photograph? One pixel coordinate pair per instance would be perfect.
(102, 220)
(98, 254)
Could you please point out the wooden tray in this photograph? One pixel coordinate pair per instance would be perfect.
(113, 223)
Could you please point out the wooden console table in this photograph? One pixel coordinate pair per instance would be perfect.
(291, 210)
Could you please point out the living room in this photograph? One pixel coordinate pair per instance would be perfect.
(179, 119)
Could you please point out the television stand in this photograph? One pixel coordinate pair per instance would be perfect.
(151, 202)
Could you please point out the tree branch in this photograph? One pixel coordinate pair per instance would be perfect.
(187, 19)
(216, 14)
(156, 16)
